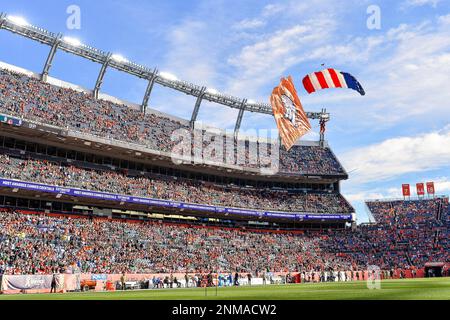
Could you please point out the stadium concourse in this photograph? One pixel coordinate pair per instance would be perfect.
(88, 186)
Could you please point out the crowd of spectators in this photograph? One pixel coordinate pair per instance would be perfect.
(33, 243)
(37, 243)
(419, 228)
(310, 159)
(169, 188)
(32, 99)
(407, 233)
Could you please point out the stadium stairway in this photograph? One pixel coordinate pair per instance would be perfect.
(439, 215)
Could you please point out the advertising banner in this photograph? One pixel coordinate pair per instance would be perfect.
(30, 282)
(10, 120)
(167, 203)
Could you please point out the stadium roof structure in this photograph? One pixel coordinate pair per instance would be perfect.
(57, 41)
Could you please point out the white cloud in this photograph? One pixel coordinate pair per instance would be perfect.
(420, 3)
(444, 20)
(397, 156)
(410, 82)
(187, 58)
(442, 185)
(272, 9)
(190, 57)
(272, 55)
(249, 24)
(363, 195)
(279, 45)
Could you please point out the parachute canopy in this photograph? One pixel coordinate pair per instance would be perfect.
(331, 78)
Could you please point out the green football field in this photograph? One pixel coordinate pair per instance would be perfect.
(408, 289)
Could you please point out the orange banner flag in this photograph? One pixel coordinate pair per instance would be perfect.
(290, 117)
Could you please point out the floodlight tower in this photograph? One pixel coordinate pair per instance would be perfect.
(2, 19)
(197, 106)
(51, 55)
(149, 89)
(237, 127)
(20, 26)
(101, 75)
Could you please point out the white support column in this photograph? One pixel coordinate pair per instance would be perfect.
(51, 56)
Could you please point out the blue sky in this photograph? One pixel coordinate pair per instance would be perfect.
(398, 133)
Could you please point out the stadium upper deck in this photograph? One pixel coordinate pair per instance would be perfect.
(65, 119)
(65, 123)
(79, 119)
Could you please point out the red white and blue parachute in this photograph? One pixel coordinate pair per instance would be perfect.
(331, 78)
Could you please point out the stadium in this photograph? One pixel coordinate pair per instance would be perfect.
(101, 198)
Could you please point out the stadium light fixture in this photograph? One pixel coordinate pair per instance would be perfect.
(212, 91)
(72, 41)
(119, 58)
(168, 76)
(19, 21)
(251, 101)
(98, 56)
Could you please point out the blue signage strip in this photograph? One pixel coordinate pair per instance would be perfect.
(10, 120)
(166, 203)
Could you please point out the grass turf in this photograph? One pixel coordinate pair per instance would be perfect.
(407, 289)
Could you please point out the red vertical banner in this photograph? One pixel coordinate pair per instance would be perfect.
(430, 188)
(406, 190)
(420, 189)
